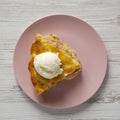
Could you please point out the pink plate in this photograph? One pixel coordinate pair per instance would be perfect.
(89, 48)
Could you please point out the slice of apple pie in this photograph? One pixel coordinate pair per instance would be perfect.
(51, 62)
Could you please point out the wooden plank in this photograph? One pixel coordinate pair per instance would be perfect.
(84, 112)
(17, 15)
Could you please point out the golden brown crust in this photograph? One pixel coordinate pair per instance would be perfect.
(61, 45)
(70, 63)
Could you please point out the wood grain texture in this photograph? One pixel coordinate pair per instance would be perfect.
(16, 15)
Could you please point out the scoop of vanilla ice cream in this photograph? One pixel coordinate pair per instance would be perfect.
(48, 64)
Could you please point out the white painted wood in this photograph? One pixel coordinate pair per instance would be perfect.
(16, 15)
(30, 111)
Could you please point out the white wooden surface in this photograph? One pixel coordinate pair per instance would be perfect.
(16, 15)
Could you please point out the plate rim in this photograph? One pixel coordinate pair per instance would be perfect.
(14, 54)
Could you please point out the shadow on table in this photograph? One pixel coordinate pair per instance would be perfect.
(79, 108)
